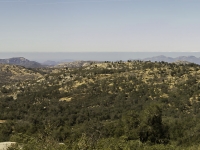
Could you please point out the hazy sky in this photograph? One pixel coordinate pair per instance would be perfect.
(99, 25)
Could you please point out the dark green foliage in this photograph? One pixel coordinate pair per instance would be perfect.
(5, 131)
(152, 128)
(123, 107)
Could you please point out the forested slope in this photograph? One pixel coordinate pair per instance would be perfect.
(113, 105)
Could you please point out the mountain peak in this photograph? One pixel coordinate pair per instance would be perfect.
(20, 61)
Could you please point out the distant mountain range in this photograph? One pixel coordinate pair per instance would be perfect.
(191, 59)
(21, 61)
(71, 63)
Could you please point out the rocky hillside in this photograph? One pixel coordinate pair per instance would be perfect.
(21, 61)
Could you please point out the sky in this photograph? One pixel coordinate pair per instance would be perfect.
(99, 26)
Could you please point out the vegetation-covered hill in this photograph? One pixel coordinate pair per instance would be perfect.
(11, 73)
(21, 61)
(112, 105)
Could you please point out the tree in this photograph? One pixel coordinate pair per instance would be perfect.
(152, 128)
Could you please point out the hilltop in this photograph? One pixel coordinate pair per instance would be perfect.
(13, 73)
(21, 61)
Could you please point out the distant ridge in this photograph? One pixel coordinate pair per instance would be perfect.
(191, 59)
(54, 63)
(76, 64)
(50, 63)
(21, 61)
(71, 63)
